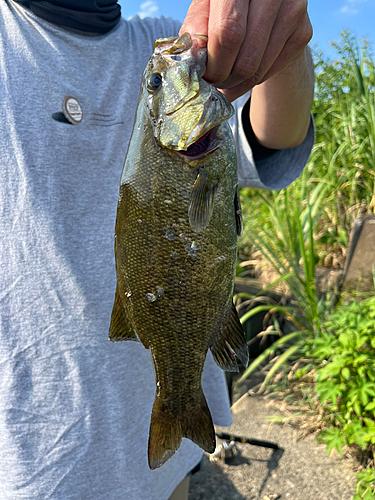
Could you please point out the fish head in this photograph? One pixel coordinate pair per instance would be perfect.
(182, 107)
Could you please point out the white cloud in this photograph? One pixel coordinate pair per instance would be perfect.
(351, 7)
(349, 11)
(148, 9)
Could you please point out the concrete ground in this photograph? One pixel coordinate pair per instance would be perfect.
(299, 470)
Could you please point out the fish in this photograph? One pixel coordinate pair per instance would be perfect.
(177, 223)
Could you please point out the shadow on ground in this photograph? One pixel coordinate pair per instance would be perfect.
(299, 470)
(212, 483)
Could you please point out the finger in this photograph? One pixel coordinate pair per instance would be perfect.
(290, 52)
(196, 20)
(286, 42)
(292, 49)
(260, 21)
(290, 26)
(234, 92)
(226, 31)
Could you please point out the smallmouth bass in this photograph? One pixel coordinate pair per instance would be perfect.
(178, 218)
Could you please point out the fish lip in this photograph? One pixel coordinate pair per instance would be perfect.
(213, 144)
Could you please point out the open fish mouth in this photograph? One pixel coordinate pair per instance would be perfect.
(199, 146)
(208, 142)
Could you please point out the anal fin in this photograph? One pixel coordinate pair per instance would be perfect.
(230, 344)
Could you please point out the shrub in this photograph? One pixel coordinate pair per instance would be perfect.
(345, 381)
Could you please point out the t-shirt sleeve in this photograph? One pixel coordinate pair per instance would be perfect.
(267, 168)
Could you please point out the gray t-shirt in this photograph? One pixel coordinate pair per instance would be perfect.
(74, 408)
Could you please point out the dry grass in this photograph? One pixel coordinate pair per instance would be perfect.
(300, 409)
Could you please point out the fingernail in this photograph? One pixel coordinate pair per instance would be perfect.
(202, 37)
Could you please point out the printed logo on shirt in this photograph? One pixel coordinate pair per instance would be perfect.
(72, 114)
(72, 110)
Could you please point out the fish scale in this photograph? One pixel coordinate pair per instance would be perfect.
(175, 245)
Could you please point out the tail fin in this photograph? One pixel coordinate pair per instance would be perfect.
(167, 429)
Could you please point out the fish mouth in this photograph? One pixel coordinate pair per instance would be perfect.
(207, 143)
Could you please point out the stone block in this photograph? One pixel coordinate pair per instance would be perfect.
(360, 265)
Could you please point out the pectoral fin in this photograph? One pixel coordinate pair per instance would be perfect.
(120, 328)
(229, 344)
(202, 201)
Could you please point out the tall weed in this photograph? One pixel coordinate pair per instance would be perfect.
(308, 224)
(342, 163)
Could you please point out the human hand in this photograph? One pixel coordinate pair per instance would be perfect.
(248, 40)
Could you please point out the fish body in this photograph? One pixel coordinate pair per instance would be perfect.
(177, 224)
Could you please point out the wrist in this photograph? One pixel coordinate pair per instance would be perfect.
(280, 106)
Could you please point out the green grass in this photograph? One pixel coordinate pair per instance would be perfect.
(339, 181)
(308, 225)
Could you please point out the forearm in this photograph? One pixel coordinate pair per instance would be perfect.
(280, 107)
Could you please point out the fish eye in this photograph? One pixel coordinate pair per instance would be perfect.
(154, 81)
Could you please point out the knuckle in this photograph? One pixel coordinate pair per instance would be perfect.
(255, 77)
(308, 32)
(245, 69)
(304, 34)
(230, 31)
(220, 76)
(298, 12)
(300, 7)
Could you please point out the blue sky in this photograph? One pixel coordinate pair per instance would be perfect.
(328, 17)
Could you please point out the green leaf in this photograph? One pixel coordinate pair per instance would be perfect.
(369, 430)
(357, 408)
(324, 346)
(344, 339)
(334, 439)
(345, 372)
(328, 390)
(355, 433)
(361, 372)
(365, 392)
(365, 485)
(362, 358)
(331, 369)
(370, 406)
